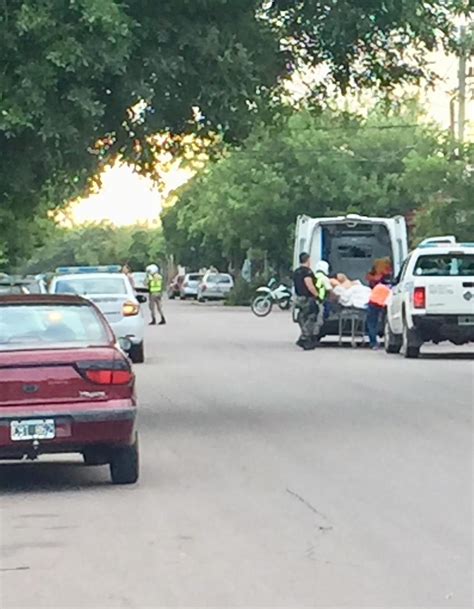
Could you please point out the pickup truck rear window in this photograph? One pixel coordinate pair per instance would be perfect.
(445, 265)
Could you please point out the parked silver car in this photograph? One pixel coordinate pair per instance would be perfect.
(215, 286)
(189, 286)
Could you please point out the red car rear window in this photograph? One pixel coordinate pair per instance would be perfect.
(49, 326)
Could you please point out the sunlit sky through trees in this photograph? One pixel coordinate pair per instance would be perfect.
(128, 198)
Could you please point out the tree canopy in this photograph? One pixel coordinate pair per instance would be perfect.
(98, 243)
(87, 80)
(322, 164)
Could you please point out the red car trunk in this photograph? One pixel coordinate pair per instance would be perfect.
(62, 376)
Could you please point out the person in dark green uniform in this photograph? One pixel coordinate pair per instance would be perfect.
(155, 287)
(306, 301)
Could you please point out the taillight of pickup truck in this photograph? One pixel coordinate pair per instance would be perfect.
(419, 298)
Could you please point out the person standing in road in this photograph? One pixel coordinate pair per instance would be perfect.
(306, 301)
(377, 303)
(126, 270)
(155, 286)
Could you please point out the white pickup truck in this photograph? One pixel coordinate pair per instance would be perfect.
(433, 298)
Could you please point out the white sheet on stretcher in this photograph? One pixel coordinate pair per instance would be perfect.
(356, 296)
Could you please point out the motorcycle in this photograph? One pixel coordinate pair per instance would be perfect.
(267, 296)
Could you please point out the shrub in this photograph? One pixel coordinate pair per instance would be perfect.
(243, 292)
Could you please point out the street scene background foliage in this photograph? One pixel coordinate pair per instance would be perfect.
(90, 82)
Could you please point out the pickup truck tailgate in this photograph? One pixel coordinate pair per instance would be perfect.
(450, 296)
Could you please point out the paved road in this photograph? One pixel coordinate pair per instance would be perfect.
(270, 477)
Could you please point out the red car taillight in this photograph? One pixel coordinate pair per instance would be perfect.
(106, 373)
(419, 298)
(129, 309)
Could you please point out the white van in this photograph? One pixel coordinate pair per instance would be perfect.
(351, 244)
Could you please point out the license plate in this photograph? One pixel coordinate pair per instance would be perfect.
(32, 429)
(466, 320)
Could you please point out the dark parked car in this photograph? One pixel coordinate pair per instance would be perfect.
(66, 385)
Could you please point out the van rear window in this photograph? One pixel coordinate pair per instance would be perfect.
(445, 265)
(354, 251)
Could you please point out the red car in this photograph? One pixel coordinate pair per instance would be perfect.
(65, 385)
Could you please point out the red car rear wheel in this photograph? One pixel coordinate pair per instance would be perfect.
(124, 464)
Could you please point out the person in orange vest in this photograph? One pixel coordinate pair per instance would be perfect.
(381, 271)
(378, 301)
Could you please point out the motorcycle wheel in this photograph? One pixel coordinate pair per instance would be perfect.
(262, 306)
(285, 303)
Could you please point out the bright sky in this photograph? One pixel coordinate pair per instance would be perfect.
(126, 197)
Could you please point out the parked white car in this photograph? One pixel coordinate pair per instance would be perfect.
(215, 286)
(190, 285)
(113, 293)
(433, 298)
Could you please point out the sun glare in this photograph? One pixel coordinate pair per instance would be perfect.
(126, 198)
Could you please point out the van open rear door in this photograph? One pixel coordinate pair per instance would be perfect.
(303, 231)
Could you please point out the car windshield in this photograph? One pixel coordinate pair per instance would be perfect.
(211, 279)
(91, 285)
(445, 265)
(194, 277)
(24, 327)
(224, 279)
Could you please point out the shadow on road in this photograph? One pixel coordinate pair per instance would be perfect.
(334, 344)
(455, 355)
(51, 476)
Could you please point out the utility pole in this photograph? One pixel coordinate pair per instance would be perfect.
(462, 84)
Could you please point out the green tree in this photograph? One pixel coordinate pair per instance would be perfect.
(146, 247)
(98, 243)
(445, 192)
(320, 164)
(86, 80)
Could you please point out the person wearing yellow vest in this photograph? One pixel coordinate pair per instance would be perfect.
(323, 287)
(155, 286)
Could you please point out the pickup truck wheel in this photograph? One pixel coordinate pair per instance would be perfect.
(137, 353)
(410, 343)
(124, 465)
(392, 342)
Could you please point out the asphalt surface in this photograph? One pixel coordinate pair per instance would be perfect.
(270, 478)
